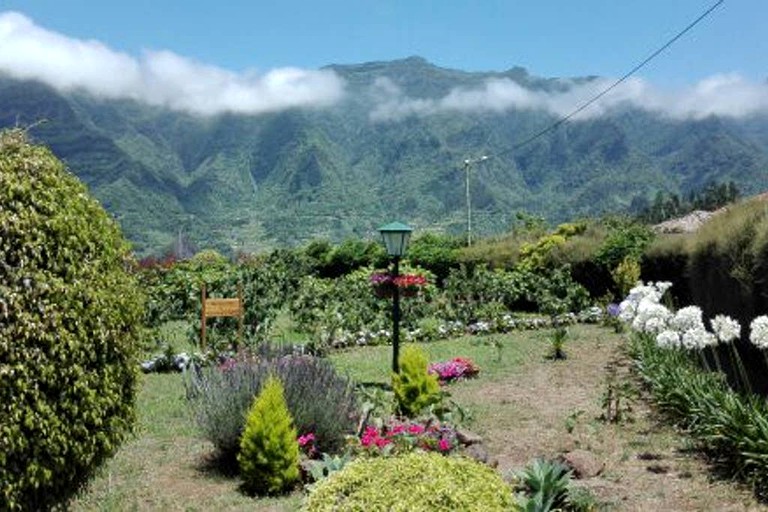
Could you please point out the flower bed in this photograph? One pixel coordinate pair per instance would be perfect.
(456, 369)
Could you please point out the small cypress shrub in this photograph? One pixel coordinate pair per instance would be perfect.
(269, 451)
(415, 388)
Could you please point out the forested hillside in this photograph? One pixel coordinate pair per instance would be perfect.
(251, 182)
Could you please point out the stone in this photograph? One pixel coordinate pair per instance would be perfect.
(467, 438)
(583, 463)
(477, 452)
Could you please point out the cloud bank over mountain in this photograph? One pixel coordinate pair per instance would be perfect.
(727, 95)
(163, 78)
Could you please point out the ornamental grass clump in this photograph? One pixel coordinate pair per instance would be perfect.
(414, 482)
(320, 400)
(269, 451)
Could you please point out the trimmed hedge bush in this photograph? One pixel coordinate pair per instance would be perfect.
(69, 320)
(415, 482)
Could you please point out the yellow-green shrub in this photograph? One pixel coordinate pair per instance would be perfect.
(415, 482)
(415, 388)
(69, 320)
(269, 451)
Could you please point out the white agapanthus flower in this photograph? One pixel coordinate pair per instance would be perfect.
(758, 334)
(687, 318)
(651, 316)
(668, 339)
(698, 338)
(627, 310)
(726, 328)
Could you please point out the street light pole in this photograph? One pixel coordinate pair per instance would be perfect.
(396, 316)
(467, 166)
(395, 236)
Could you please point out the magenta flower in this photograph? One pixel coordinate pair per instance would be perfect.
(306, 439)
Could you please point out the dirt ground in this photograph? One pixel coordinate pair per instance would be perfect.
(551, 407)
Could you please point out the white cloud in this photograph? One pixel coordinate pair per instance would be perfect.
(163, 78)
(723, 95)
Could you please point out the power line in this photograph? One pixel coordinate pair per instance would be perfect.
(615, 84)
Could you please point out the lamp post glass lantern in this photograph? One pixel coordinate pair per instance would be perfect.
(396, 236)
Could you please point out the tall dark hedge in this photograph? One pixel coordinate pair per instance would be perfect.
(69, 320)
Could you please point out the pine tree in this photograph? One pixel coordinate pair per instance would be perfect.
(269, 451)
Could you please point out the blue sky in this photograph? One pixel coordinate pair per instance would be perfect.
(259, 53)
(550, 38)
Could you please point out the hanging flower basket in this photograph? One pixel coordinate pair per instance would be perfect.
(408, 285)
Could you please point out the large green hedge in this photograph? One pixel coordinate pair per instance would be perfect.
(69, 318)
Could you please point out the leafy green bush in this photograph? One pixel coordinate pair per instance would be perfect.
(415, 388)
(269, 451)
(320, 401)
(415, 482)
(69, 320)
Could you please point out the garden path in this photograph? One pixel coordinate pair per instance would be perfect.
(546, 408)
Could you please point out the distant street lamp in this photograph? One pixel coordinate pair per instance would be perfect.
(396, 236)
(468, 163)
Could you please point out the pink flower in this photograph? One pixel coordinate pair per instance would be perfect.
(444, 445)
(415, 429)
(306, 439)
(397, 429)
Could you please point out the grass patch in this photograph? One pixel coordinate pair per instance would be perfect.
(521, 404)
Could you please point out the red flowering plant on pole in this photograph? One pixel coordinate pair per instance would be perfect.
(384, 284)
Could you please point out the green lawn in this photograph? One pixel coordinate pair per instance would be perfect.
(523, 404)
(165, 466)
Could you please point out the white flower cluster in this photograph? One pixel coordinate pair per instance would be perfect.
(684, 329)
(758, 334)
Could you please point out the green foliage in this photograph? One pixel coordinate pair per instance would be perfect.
(557, 340)
(269, 452)
(436, 253)
(711, 197)
(328, 464)
(268, 283)
(415, 482)
(415, 389)
(320, 401)
(728, 260)
(69, 320)
(249, 182)
(545, 486)
(538, 255)
(626, 275)
(732, 428)
(625, 239)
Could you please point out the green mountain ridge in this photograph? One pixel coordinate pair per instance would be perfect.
(251, 182)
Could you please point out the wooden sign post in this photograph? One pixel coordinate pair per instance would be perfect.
(222, 307)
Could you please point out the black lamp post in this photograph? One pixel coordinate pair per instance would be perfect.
(396, 236)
